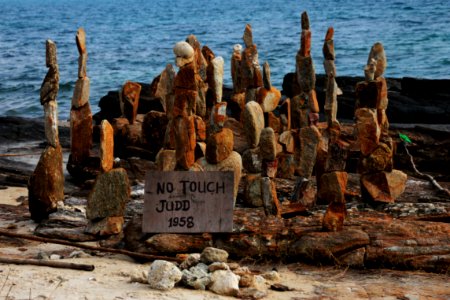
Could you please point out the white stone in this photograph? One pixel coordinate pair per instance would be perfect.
(218, 76)
(224, 283)
(163, 275)
(51, 123)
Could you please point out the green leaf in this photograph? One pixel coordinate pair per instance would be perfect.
(404, 138)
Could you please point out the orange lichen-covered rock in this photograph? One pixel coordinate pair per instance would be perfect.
(80, 133)
(383, 186)
(130, 100)
(219, 146)
(334, 217)
(106, 146)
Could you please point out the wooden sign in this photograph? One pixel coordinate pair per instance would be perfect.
(183, 201)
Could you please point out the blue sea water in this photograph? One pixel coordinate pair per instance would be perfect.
(133, 40)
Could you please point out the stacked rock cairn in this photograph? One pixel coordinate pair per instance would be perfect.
(379, 181)
(46, 184)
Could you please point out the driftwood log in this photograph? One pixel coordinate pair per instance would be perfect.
(47, 263)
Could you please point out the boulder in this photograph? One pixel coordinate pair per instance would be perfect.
(219, 146)
(109, 195)
(253, 120)
(163, 275)
(210, 255)
(383, 186)
(196, 277)
(224, 283)
(191, 260)
(105, 227)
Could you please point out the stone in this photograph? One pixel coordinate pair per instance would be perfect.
(253, 120)
(379, 160)
(252, 160)
(240, 139)
(163, 275)
(312, 100)
(332, 187)
(267, 144)
(377, 53)
(200, 150)
(251, 293)
(269, 197)
(80, 133)
(246, 280)
(46, 184)
(383, 186)
(305, 20)
(248, 36)
(286, 139)
(218, 266)
(231, 163)
(129, 101)
(51, 58)
(185, 141)
(285, 114)
(50, 85)
(218, 77)
(164, 89)
(224, 283)
(330, 106)
(219, 146)
(51, 123)
(109, 195)
(269, 168)
(81, 40)
(236, 59)
(328, 45)
(252, 191)
(191, 260)
(106, 146)
(154, 128)
(81, 92)
(185, 91)
(309, 141)
(273, 276)
(184, 53)
(196, 277)
(334, 217)
(372, 94)
(82, 65)
(105, 227)
(219, 115)
(337, 156)
(268, 98)
(306, 75)
(274, 122)
(266, 76)
(305, 43)
(299, 112)
(250, 69)
(367, 129)
(210, 255)
(286, 166)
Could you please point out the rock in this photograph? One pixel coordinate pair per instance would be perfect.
(50, 85)
(130, 100)
(251, 293)
(190, 261)
(211, 255)
(81, 40)
(372, 94)
(286, 139)
(81, 92)
(224, 283)
(163, 275)
(80, 133)
(332, 187)
(267, 144)
(218, 77)
(353, 259)
(232, 163)
(51, 123)
(337, 156)
(197, 277)
(218, 266)
(299, 112)
(164, 89)
(309, 141)
(253, 120)
(248, 36)
(377, 53)
(109, 195)
(383, 186)
(153, 130)
(379, 160)
(177, 243)
(240, 139)
(273, 276)
(306, 75)
(219, 146)
(368, 131)
(200, 129)
(46, 184)
(286, 166)
(185, 142)
(252, 160)
(252, 190)
(105, 227)
(269, 197)
(328, 45)
(184, 53)
(139, 277)
(185, 91)
(236, 59)
(274, 122)
(269, 168)
(246, 279)
(334, 217)
(313, 104)
(268, 99)
(106, 146)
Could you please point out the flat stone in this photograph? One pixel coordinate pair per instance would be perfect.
(377, 53)
(81, 92)
(286, 166)
(105, 227)
(368, 131)
(164, 89)
(372, 94)
(82, 65)
(218, 63)
(305, 43)
(383, 186)
(328, 45)
(266, 76)
(379, 160)
(252, 190)
(154, 129)
(106, 146)
(240, 139)
(252, 160)
(130, 100)
(219, 114)
(248, 36)
(224, 283)
(51, 58)
(268, 99)
(274, 122)
(211, 255)
(185, 91)
(334, 217)
(309, 141)
(200, 129)
(163, 275)
(185, 141)
(337, 156)
(46, 184)
(299, 112)
(267, 144)
(253, 120)
(219, 146)
(51, 123)
(306, 75)
(269, 197)
(81, 40)
(109, 195)
(332, 187)
(286, 139)
(80, 133)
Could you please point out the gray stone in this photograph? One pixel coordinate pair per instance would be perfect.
(266, 76)
(309, 141)
(252, 160)
(252, 191)
(211, 255)
(224, 283)
(81, 92)
(190, 261)
(218, 77)
(51, 123)
(268, 144)
(253, 120)
(163, 275)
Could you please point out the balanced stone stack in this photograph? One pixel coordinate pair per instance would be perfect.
(46, 184)
(305, 114)
(80, 114)
(379, 181)
(331, 88)
(200, 67)
(250, 70)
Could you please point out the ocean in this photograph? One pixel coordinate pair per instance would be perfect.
(133, 40)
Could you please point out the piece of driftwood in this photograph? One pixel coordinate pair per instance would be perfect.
(47, 263)
(142, 256)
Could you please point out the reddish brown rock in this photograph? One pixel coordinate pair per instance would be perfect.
(299, 112)
(105, 227)
(337, 156)
(332, 187)
(81, 40)
(164, 89)
(185, 141)
(219, 114)
(379, 160)
(328, 45)
(154, 129)
(80, 133)
(109, 195)
(383, 186)
(252, 160)
(81, 92)
(130, 100)
(306, 75)
(200, 129)
(166, 160)
(368, 131)
(51, 123)
(372, 94)
(269, 197)
(285, 114)
(236, 75)
(309, 141)
(253, 120)
(274, 122)
(252, 191)
(106, 146)
(185, 91)
(269, 168)
(286, 139)
(286, 166)
(334, 217)
(240, 138)
(219, 146)
(50, 85)
(378, 55)
(46, 184)
(312, 100)
(268, 99)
